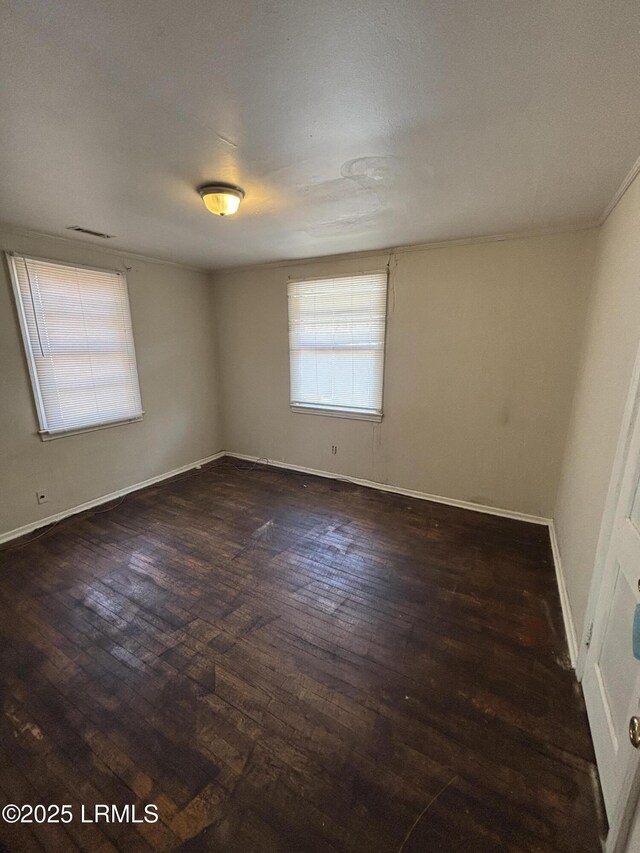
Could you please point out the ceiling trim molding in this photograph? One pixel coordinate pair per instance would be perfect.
(629, 178)
(123, 254)
(412, 247)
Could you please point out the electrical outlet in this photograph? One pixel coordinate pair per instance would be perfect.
(42, 495)
(334, 449)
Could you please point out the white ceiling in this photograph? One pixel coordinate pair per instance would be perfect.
(351, 125)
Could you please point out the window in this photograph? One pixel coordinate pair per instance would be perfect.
(77, 334)
(336, 344)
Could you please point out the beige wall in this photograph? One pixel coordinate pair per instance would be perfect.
(611, 343)
(170, 308)
(482, 351)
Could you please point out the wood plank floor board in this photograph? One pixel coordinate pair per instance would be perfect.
(286, 663)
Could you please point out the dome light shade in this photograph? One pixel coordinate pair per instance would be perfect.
(221, 199)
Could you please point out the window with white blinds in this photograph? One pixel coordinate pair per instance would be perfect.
(77, 333)
(336, 344)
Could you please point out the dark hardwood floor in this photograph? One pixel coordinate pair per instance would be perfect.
(286, 663)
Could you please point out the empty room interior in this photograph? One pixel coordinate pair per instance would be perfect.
(320, 426)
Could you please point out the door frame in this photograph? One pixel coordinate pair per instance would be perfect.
(620, 827)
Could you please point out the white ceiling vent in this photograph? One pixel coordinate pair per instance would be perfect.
(90, 232)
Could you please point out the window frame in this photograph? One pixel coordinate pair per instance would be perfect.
(44, 432)
(336, 411)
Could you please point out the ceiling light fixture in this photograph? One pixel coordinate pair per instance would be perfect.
(221, 199)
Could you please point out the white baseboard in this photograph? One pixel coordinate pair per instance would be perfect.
(569, 625)
(398, 490)
(50, 519)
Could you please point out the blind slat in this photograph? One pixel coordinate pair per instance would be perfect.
(336, 342)
(79, 341)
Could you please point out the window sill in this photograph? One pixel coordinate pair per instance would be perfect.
(50, 436)
(337, 413)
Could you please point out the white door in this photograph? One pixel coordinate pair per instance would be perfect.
(611, 680)
(634, 841)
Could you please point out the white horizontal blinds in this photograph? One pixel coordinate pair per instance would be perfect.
(336, 342)
(80, 342)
